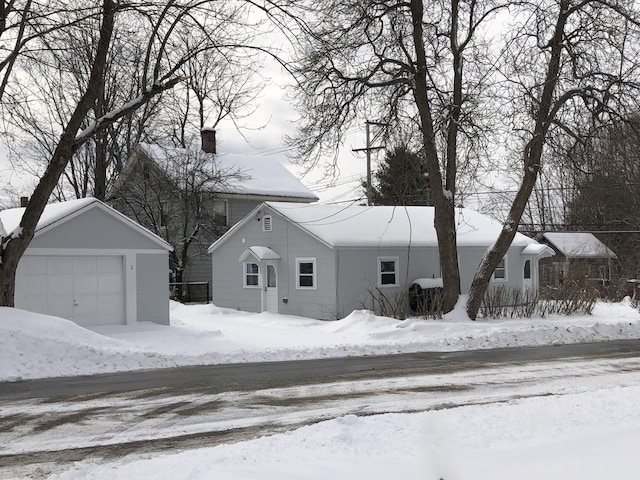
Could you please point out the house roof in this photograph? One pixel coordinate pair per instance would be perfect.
(578, 245)
(381, 226)
(263, 175)
(56, 214)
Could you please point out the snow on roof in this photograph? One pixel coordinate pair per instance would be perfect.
(362, 226)
(260, 253)
(579, 244)
(53, 212)
(264, 175)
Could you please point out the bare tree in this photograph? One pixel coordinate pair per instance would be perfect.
(574, 66)
(171, 191)
(174, 32)
(406, 66)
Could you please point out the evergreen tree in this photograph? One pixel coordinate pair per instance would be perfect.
(401, 179)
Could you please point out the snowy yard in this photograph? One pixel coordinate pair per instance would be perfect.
(585, 433)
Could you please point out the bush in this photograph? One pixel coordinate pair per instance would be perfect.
(502, 302)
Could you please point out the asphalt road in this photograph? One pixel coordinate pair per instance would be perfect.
(254, 376)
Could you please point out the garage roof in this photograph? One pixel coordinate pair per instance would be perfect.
(57, 213)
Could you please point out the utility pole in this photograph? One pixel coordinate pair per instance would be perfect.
(368, 150)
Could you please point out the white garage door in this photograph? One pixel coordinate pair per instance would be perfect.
(86, 289)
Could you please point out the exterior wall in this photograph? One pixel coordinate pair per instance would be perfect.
(357, 274)
(152, 288)
(238, 208)
(469, 258)
(94, 229)
(290, 243)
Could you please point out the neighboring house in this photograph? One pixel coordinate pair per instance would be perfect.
(579, 258)
(321, 261)
(90, 264)
(150, 190)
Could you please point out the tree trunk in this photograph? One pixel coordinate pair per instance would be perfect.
(443, 198)
(532, 162)
(11, 251)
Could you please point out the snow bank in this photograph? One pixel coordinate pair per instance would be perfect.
(37, 346)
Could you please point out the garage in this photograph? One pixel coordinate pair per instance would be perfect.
(90, 264)
(86, 289)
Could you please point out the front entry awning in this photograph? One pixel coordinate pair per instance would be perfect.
(259, 253)
(538, 250)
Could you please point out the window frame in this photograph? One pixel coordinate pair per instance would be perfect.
(313, 275)
(396, 272)
(504, 268)
(246, 274)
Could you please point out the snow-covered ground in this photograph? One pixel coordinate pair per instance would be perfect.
(37, 346)
(590, 432)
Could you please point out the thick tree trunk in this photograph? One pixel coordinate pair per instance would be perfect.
(532, 162)
(442, 195)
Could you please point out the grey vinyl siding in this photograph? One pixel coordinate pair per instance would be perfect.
(238, 208)
(152, 285)
(358, 273)
(96, 230)
(290, 243)
(469, 258)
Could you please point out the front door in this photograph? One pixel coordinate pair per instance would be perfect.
(271, 290)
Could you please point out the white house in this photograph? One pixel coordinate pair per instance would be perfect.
(91, 264)
(321, 261)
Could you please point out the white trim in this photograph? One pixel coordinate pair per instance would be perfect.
(245, 273)
(396, 273)
(313, 276)
(506, 270)
(131, 288)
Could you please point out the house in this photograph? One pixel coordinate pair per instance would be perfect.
(321, 261)
(579, 258)
(91, 264)
(152, 189)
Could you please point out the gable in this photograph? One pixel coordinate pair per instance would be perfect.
(94, 229)
(85, 223)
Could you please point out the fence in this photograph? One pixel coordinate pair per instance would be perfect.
(190, 292)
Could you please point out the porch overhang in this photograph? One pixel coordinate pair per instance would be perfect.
(259, 253)
(538, 250)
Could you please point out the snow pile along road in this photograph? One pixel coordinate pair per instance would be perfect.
(37, 346)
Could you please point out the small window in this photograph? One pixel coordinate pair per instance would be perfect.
(500, 273)
(145, 170)
(388, 271)
(527, 269)
(306, 273)
(251, 277)
(266, 223)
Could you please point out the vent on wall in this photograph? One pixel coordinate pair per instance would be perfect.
(266, 223)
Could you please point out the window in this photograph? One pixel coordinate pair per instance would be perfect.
(527, 269)
(388, 271)
(500, 273)
(220, 212)
(251, 277)
(306, 273)
(266, 223)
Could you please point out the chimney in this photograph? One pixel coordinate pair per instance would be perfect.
(208, 136)
(24, 201)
